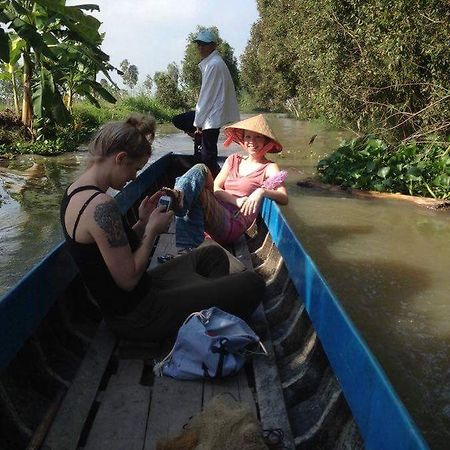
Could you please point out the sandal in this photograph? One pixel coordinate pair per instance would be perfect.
(164, 258)
(176, 196)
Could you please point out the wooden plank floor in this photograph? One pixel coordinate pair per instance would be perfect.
(121, 420)
(173, 404)
(66, 429)
(272, 407)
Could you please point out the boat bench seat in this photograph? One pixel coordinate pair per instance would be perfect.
(115, 402)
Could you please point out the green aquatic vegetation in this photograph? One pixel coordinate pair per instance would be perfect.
(369, 163)
(45, 147)
(58, 140)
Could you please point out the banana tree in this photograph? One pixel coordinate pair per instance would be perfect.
(46, 27)
(10, 73)
(77, 70)
(11, 70)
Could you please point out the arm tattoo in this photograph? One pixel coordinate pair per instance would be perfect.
(107, 217)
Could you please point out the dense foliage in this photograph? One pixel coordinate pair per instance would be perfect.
(54, 50)
(370, 163)
(377, 66)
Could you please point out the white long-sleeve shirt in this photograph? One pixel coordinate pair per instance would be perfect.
(217, 103)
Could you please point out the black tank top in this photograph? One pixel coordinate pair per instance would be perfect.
(112, 299)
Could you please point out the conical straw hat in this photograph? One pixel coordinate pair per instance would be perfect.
(257, 124)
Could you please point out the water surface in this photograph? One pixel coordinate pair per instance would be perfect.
(387, 260)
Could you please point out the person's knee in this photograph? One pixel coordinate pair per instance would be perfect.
(177, 121)
(201, 168)
(215, 252)
(251, 291)
(184, 121)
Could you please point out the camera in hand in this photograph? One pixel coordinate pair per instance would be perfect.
(165, 201)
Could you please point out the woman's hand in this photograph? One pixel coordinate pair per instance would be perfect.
(147, 206)
(252, 202)
(145, 209)
(159, 220)
(240, 201)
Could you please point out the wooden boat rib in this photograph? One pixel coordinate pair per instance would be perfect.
(65, 381)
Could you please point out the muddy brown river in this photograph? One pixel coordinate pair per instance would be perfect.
(387, 260)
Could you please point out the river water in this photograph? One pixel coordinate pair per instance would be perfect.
(387, 260)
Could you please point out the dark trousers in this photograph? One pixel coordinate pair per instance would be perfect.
(187, 284)
(209, 138)
(185, 122)
(209, 149)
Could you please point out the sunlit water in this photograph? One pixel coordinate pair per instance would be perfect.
(386, 260)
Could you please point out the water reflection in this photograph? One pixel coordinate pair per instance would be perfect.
(31, 187)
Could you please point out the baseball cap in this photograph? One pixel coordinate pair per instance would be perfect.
(205, 36)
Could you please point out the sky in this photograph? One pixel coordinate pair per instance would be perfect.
(152, 33)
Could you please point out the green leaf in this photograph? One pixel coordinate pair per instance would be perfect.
(4, 46)
(383, 172)
(371, 165)
(106, 95)
(16, 46)
(5, 76)
(19, 8)
(53, 5)
(59, 111)
(89, 7)
(442, 180)
(31, 36)
(414, 171)
(92, 99)
(43, 93)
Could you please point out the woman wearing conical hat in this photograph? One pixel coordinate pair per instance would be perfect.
(226, 207)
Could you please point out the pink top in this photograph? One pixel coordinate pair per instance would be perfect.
(242, 186)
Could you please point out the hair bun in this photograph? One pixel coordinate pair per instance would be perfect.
(145, 124)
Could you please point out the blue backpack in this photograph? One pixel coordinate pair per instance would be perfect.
(210, 344)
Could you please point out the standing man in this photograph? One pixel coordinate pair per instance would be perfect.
(217, 103)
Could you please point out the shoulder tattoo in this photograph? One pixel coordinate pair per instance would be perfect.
(107, 217)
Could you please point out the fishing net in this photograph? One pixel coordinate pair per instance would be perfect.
(223, 424)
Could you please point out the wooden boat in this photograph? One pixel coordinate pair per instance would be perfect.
(66, 382)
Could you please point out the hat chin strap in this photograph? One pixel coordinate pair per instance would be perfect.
(228, 141)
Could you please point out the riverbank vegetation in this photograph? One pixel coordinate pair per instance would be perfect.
(50, 59)
(15, 138)
(370, 164)
(378, 68)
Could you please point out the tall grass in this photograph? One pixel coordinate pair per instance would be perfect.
(87, 115)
